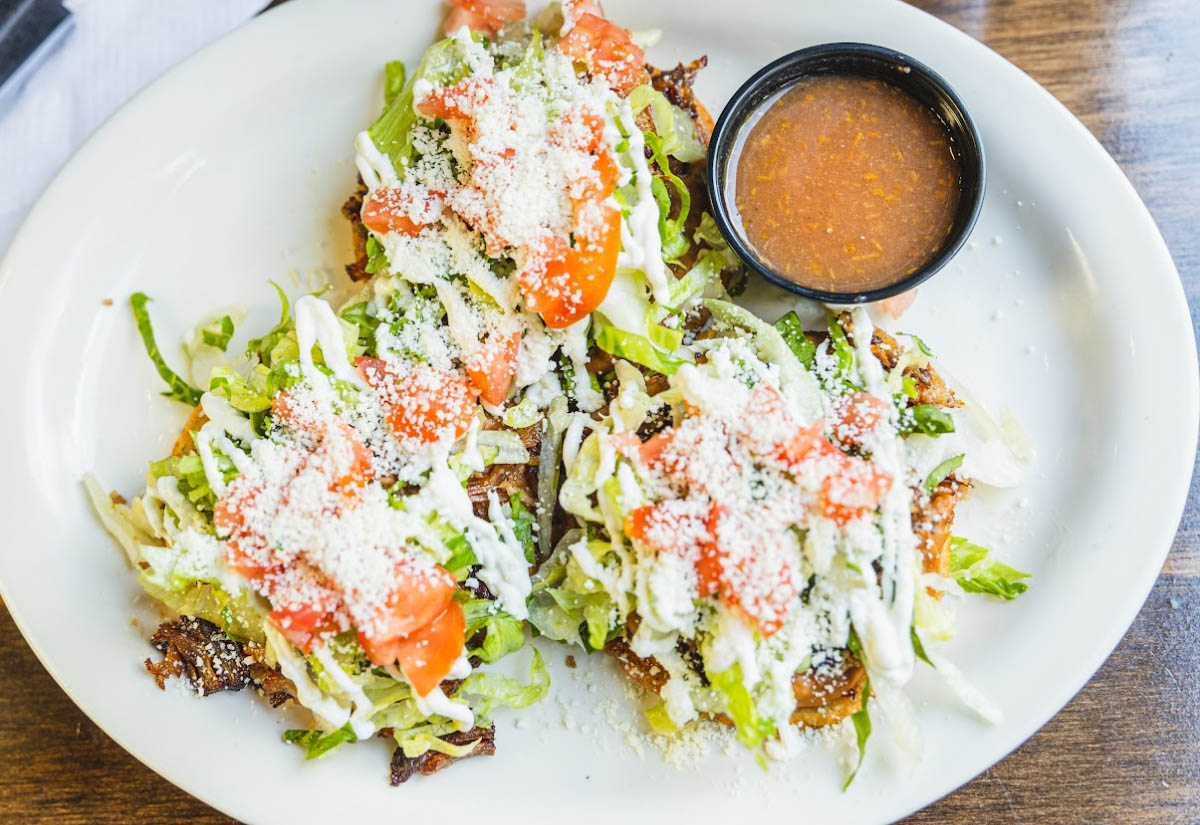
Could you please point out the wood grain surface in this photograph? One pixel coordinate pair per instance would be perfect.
(1126, 750)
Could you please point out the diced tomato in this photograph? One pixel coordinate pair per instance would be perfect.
(456, 104)
(564, 284)
(808, 443)
(573, 9)
(423, 402)
(760, 587)
(418, 596)
(667, 527)
(493, 366)
(652, 449)
(284, 412)
(304, 624)
(359, 470)
(389, 209)
(245, 551)
(427, 654)
(897, 305)
(854, 490)
(486, 16)
(606, 48)
(858, 414)
(710, 566)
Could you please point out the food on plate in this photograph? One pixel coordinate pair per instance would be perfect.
(847, 184)
(763, 536)
(537, 405)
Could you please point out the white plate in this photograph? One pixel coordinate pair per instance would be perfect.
(230, 170)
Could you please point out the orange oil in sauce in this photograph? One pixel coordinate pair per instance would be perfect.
(847, 184)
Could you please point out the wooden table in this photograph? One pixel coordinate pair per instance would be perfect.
(1126, 749)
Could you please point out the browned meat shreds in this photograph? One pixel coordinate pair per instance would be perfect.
(200, 652)
(931, 389)
(508, 479)
(352, 210)
(933, 521)
(404, 767)
(677, 84)
(825, 695)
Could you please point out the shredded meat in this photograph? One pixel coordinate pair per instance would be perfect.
(677, 85)
(184, 442)
(352, 209)
(828, 694)
(508, 479)
(824, 695)
(404, 767)
(200, 652)
(933, 521)
(931, 389)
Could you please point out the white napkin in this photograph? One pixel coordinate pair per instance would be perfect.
(116, 48)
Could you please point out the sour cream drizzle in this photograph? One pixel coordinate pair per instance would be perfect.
(885, 626)
(316, 324)
(641, 245)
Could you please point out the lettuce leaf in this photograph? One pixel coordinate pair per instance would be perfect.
(636, 348)
(975, 572)
(180, 390)
(494, 690)
(752, 729)
(318, 744)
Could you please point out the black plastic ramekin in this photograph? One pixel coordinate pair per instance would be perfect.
(863, 60)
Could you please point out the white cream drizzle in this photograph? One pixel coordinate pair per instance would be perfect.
(641, 245)
(316, 324)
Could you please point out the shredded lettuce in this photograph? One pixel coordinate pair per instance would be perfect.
(494, 690)
(262, 347)
(218, 333)
(180, 390)
(975, 572)
(861, 718)
(674, 240)
(939, 473)
(316, 743)
(925, 418)
(444, 65)
(394, 75)
(752, 729)
(792, 330)
(636, 348)
(680, 138)
(501, 633)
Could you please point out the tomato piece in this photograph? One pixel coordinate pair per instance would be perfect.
(304, 624)
(486, 16)
(858, 414)
(564, 284)
(392, 209)
(759, 586)
(456, 104)
(417, 598)
(359, 470)
(245, 550)
(423, 403)
(807, 444)
(897, 305)
(607, 49)
(493, 366)
(710, 566)
(426, 655)
(573, 9)
(652, 449)
(854, 490)
(667, 527)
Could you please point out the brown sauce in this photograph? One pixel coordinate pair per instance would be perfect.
(847, 184)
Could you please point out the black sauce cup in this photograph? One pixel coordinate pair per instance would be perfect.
(861, 60)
